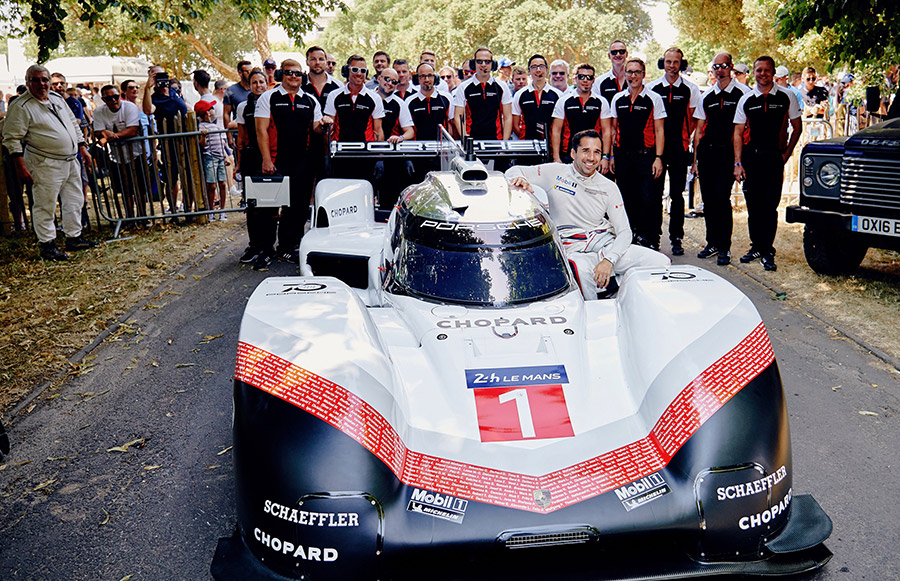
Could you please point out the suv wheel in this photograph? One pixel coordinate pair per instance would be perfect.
(832, 253)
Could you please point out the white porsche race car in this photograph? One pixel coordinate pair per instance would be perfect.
(435, 399)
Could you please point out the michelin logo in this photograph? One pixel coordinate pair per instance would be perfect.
(438, 505)
(642, 491)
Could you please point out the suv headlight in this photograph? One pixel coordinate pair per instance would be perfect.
(829, 174)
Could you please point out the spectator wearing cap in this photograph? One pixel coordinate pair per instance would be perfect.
(504, 69)
(213, 153)
(741, 72)
(269, 67)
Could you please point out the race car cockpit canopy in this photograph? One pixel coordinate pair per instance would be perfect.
(474, 243)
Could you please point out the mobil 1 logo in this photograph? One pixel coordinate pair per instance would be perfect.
(437, 505)
(642, 491)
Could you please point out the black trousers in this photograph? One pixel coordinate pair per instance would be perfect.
(762, 191)
(675, 165)
(294, 217)
(262, 223)
(641, 193)
(715, 166)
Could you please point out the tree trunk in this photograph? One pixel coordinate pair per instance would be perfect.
(226, 70)
(261, 38)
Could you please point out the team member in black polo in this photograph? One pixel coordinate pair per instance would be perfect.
(579, 110)
(614, 81)
(392, 175)
(354, 112)
(296, 116)
(680, 98)
(714, 157)
(765, 113)
(318, 84)
(429, 108)
(637, 120)
(485, 102)
(534, 103)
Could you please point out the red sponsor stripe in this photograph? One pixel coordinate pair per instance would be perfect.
(695, 404)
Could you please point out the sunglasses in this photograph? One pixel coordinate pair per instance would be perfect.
(638, 72)
(558, 73)
(331, 63)
(111, 98)
(446, 77)
(721, 66)
(537, 67)
(132, 88)
(583, 77)
(482, 61)
(391, 81)
(270, 67)
(359, 70)
(812, 78)
(618, 52)
(292, 73)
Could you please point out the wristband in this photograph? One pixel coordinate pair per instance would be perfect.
(737, 164)
(605, 156)
(658, 156)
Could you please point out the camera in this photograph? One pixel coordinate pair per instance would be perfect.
(162, 79)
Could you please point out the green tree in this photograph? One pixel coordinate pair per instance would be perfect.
(454, 28)
(862, 31)
(219, 39)
(45, 18)
(744, 28)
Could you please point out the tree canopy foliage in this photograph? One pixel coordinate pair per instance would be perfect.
(744, 28)
(46, 19)
(453, 29)
(862, 31)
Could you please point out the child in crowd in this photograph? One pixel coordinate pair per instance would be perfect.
(212, 146)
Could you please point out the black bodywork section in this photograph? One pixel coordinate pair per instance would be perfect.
(289, 458)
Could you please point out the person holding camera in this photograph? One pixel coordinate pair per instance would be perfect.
(165, 105)
(296, 116)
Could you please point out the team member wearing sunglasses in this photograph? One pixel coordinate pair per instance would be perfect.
(392, 175)
(579, 110)
(296, 116)
(484, 101)
(714, 157)
(614, 81)
(637, 124)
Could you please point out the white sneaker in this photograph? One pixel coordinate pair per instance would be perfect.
(212, 217)
(235, 191)
(223, 217)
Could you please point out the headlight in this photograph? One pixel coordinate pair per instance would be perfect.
(829, 174)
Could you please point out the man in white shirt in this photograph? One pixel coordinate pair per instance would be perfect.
(589, 214)
(115, 121)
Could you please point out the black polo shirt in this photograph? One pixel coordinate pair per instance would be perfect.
(535, 107)
(396, 116)
(330, 85)
(677, 98)
(428, 113)
(293, 116)
(635, 129)
(354, 115)
(717, 107)
(484, 106)
(579, 115)
(607, 86)
(766, 118)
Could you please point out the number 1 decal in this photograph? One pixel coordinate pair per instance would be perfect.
(522, 413)
(520, 396)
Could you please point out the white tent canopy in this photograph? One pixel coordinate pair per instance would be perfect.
(100, 69)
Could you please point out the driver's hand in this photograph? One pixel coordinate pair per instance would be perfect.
(602, 272)
(521, 183)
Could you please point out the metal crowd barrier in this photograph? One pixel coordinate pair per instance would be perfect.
(164, 181)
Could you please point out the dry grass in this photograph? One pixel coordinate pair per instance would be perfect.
(52, 310)
(866, 304)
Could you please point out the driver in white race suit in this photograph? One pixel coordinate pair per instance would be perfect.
(589, 214)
